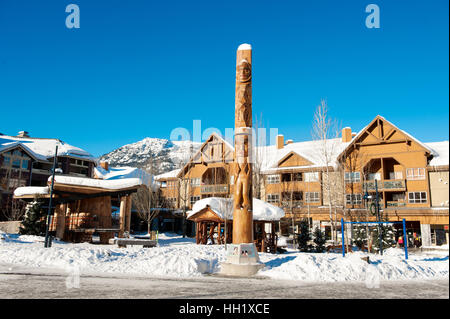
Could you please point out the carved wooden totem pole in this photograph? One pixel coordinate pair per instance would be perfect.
(242, 208)
(242, 256)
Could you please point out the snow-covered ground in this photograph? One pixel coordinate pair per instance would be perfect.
(181, 257)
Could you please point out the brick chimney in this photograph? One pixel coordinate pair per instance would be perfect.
(346, 134)
(23, 134)
(280, 141)
(289, 142)
(104, 165)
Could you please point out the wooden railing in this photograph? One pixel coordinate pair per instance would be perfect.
(395, 204)
(386, 184)
(220, 188)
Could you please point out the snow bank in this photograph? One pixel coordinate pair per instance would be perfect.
(223, 207)
(181, 257)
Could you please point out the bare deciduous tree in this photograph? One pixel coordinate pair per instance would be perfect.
(324, 131)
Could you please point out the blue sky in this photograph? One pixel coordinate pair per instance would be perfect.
(142, 68)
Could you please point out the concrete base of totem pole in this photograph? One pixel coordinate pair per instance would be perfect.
(242, 261)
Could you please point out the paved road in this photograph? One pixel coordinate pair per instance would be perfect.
(44, 283)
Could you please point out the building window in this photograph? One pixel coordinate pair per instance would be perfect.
(311, 177)
(195, 182)
(297, 177)
(374, 176)
(312, 197)
(353, 199)
(171, 184)
(194, 199)
(273, 179)
(6, 161)
(24, 164)
(352, 177)
(415, 173)
(417, 197)
(273, 198)
(16, 163)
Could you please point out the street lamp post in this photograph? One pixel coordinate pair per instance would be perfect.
(48, 242)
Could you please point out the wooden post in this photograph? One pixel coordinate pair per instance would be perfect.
(243, 199)
(128, 222)
(123, 204)
(61, 221)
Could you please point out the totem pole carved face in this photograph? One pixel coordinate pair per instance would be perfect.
(245, 72)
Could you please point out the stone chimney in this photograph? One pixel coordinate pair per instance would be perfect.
(289, 142)
(23, 134)
(346, 134)
(280, 141)
(104, 165)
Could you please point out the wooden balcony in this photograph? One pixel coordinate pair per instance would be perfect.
(388, 184)
(395, 204)
(214, 189)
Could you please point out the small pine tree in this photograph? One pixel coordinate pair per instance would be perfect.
(304, 236)
(34, 221)
(359, 236)
(319, 240)
(387, 237)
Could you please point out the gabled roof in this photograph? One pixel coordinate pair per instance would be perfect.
(379, 117)
(44, 148)
(13, 145)
(311, 151)
(200, 149)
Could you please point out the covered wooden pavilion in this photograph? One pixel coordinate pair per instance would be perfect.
(82, 206)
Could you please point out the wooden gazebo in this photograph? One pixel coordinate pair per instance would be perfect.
(210, 228)
(82, 206)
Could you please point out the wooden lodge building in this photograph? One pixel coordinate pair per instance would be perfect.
(27, 161)
(325, 181)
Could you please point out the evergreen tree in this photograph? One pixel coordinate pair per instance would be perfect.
(360, 236)
(34, 221)
(304, 236)
(387, 237)
(319, 240)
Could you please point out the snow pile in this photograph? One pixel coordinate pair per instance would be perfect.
(99, 183)
(116, 173)
(223, 207)
(334, 267)
(181, 257)
(31, 190)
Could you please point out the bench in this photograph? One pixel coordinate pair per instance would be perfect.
(123, 242)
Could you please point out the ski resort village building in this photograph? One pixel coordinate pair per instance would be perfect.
(326, 180)
(27, 161)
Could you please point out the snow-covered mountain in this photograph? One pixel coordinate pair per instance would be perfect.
(166, 155)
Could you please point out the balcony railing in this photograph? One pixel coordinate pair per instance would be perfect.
(219, 189)
(386, 184)
(395, 204)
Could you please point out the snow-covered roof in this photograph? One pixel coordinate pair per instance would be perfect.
(44, 148)
(31, 190)
(312, 151)
(98, 183)
(440, 153)
(120, 173)
(223, 207)
(170, 174)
